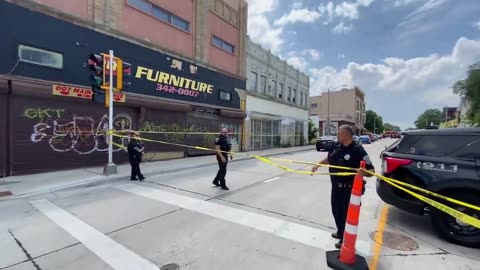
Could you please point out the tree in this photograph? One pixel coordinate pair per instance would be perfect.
(312, 131)
(470, 89)
(391, 127)
(376, 127)
(429, 116)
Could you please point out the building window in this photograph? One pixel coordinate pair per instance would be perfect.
(233, 130)
(313, 105)
(301, 98)
(294, 97)
(305, 100)
(40, 57)
(280, 91)
(252, 81)
(289, 93)
(222, 44)
(160, 14)
(225, 96)
(274, 83)
(358, 105)
(263, 84)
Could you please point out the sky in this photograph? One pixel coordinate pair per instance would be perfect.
(405, 54)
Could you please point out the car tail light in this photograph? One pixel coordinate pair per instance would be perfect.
(391, 164)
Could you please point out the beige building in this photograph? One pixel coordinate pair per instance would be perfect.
(347, 106)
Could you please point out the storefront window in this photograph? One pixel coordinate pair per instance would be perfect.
(234, 130)
(265, 134)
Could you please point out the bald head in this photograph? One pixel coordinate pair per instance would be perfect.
(345, 134)
(347, 129)
(224, 131)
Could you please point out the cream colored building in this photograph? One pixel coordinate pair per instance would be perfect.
(347, 106)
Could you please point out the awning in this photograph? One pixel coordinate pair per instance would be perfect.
(233, 114)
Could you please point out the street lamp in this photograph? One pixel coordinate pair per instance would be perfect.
(328, 106)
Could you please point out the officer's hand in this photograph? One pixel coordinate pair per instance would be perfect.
(363, 172)
(314, 168)
(231, 157)
(224, 160)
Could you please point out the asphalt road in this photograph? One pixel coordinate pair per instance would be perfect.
(269, 219)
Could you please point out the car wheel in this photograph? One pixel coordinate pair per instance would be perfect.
(454, 230)
(318, 149)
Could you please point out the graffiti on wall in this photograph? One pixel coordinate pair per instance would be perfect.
(79, 134)
(175, 133)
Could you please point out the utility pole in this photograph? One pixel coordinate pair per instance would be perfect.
(328, 112)
(110, 168)
(328, 108)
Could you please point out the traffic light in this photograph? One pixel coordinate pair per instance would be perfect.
(124, 75)
(95, 64)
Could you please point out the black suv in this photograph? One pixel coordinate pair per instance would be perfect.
(444, 161)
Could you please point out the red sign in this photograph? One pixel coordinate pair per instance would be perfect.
(71, 91)
(80, 92)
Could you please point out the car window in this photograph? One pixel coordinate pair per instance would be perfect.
(405, 144)
(469, 151)
(440, 145)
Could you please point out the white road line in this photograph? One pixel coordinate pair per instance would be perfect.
(271, 179)
(296, 232)
(114, 254)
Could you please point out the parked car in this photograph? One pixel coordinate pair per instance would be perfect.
(365, 139)
(444, 161)
(325, 142)
(357, 139)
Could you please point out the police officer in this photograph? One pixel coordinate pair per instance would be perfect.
(348, 154)
(135, 152)
(222, 143)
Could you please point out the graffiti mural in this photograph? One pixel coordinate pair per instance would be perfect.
(179, 137)
(79, 134)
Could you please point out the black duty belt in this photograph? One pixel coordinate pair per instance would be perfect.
(344, 185)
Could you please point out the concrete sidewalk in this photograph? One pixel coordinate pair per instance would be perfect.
(27, 185)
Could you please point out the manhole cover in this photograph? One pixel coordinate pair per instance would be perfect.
(394, 240)
(172, 266)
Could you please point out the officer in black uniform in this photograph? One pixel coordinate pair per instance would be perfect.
(135, 152)
(222, 143)
(348, 154)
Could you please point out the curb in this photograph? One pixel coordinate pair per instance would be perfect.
(114, 178)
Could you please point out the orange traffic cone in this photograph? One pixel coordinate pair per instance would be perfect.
(346, 259)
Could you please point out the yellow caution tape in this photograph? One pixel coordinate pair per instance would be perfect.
(268, 161)
(425, 191)
(453, 212)
(264, 159)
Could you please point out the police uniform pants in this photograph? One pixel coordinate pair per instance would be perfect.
(340, 200)
(222, 171)
(135, 163)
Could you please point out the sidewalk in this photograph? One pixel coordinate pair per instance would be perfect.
(26, 185)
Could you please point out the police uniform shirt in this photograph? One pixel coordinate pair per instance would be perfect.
(347, 156)
(224, 144)
(132, 153)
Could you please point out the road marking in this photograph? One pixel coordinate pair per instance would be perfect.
(377, 247)
(114, 254)
(292, 231)
(271, 179)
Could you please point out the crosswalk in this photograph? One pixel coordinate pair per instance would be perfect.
(122, 258)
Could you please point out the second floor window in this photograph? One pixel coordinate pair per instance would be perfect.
(280, 91)
(252, 81)
(160, 14)
(222, 44)
(263, 84)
